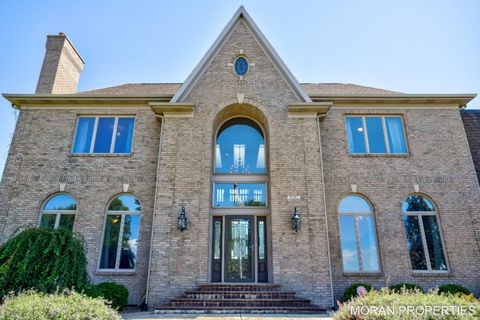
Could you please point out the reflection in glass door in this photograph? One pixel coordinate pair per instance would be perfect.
(239, 257)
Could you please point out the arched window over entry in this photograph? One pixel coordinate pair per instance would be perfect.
(240, 203)
(240, 151)
(357, 235)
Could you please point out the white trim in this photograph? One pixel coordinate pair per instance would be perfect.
(240, 14)
(94, 134)
(384, 130)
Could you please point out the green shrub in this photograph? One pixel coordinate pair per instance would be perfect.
(351, 291)
(42, 259)
(30, 305)
(90, 290)
(405, 286)
(116, 293)
(386, 304)
(453, 289)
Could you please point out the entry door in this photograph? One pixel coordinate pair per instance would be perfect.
(239, 249)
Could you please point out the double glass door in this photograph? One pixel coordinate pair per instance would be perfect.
(239, 249)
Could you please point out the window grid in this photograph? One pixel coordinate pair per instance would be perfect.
(94, 133)
(385, 133)
(420, 215)
(58, 214)
(123, 214)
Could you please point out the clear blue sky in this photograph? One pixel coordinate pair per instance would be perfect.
(404, 45)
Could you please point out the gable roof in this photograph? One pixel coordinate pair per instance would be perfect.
(312, 89)
(241, 14)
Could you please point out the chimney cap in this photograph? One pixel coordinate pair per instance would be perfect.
(62, 34)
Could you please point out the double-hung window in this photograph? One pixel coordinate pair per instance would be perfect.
(376, 135)
(103, 134)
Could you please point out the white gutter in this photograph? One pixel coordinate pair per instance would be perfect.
(154, 209)
(325, 207)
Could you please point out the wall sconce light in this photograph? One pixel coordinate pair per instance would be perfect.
(296, 220)
(182, 220)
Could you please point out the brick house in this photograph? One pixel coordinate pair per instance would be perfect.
(311, 186)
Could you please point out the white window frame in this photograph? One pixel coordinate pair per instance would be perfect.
(385, 134)
(355, 216)
(94, 133)
(420, 215)
(58, 213)
(120, 238)
(234, 179)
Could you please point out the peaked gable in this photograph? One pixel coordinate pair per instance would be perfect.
(240, 15)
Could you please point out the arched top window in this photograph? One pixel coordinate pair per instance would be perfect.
(357, 235)
(59, 211)
(354, 204)
(120, 238)
(424, 238)
(417, 203)
(125, 202)
(240, 148)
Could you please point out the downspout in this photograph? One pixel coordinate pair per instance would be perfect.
(325, 206)
(154, 210)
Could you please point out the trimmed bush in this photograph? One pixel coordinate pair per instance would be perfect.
(90, 290)
(42, 259)
(453, 289)
(405, 287)
(116, 293)
(68, 305)
(351, 291)
(386, 304)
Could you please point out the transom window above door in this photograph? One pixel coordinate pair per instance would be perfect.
(240, 148)
(103, 134)
(376, 135)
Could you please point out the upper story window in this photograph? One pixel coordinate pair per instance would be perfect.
(240, 165)
(240, 148)
(120, 238)
(357, 235)
(103, 134)
(59, 212)
(241, 66)
(376, 135)
(423, 234)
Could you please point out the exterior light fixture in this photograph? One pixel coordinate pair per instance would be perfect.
(182, 220)
(296, 220)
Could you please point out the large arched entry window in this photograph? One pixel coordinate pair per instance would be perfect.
(239, 203)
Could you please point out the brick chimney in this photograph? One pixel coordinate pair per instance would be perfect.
(61, 67)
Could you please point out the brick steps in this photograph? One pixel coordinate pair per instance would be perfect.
(241, 298)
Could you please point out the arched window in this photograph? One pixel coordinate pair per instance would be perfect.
(120, 238)
(423, 234)
(59, 212)
(240, 150)
(357, 235)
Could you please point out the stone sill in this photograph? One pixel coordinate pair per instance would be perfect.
(379, 155)
(432, 274)
(362, 274)
(100, 155)
(115, 273)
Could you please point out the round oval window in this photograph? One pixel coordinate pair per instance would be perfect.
(241, 66)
